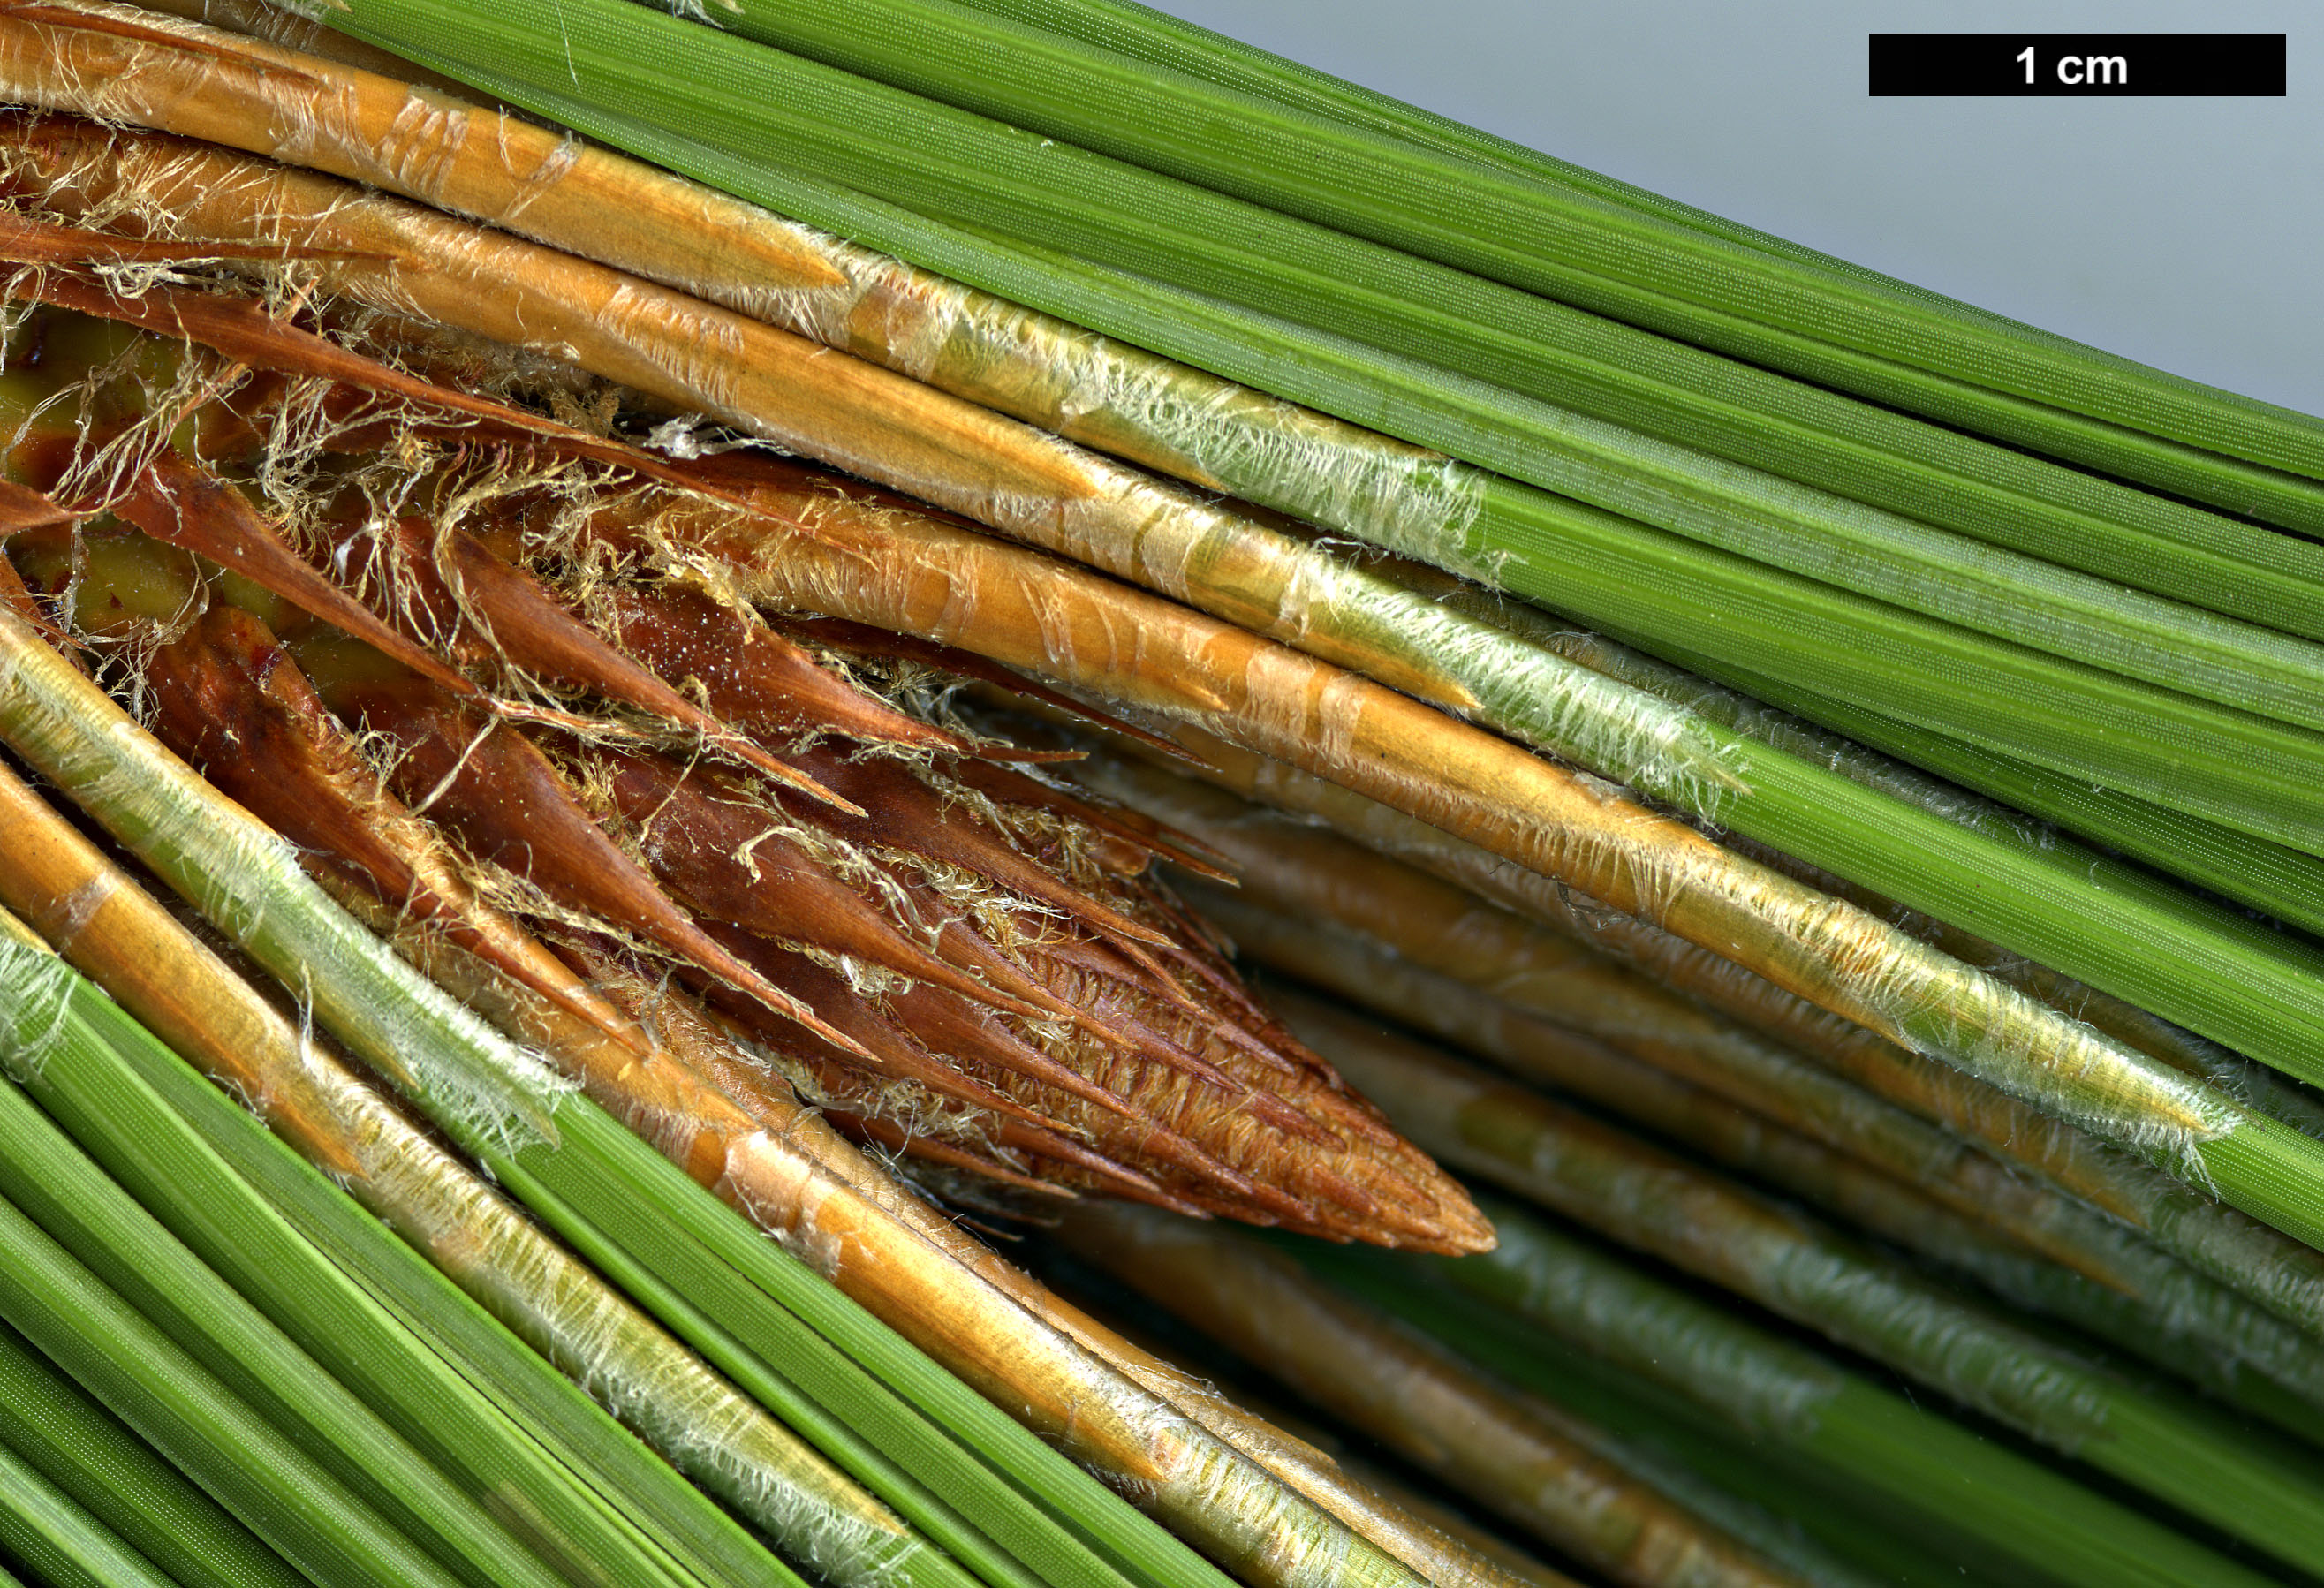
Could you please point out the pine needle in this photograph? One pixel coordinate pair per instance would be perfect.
(2170, 1446)
(1413, 754)
(1772, 1392)
(287, 1497)
(1622, 260)
(2038, 1251)
(44, 1526)
(1432, 956)
(46, 1179)
(2091, 622)
(100, 1465)
(1736, 421)
(1591, 561)
(531, 1130)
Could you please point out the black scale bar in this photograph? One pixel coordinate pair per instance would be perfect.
(2109, 65)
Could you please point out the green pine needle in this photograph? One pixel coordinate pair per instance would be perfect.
(63, 1200)
(328, 1313)
(1612, 258)
(41, 1526)
(1926, 1473)
(175, 1405)
(115, 1476)
(633, 1482)
(2240, 1479)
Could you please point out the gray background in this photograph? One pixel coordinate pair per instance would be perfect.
(2187, 233)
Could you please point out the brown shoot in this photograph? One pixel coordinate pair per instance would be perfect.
(753, 677)
(899, 810)
(510, 806)
(868, 640)
(960, 942)
(1091, 632)
(712, 1049)
(960, 1030)
(1102, 1405)
(876, 1043)
(183, 505)
(721, 852)
(451, 590)
(966, 1038)
(229, 699)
